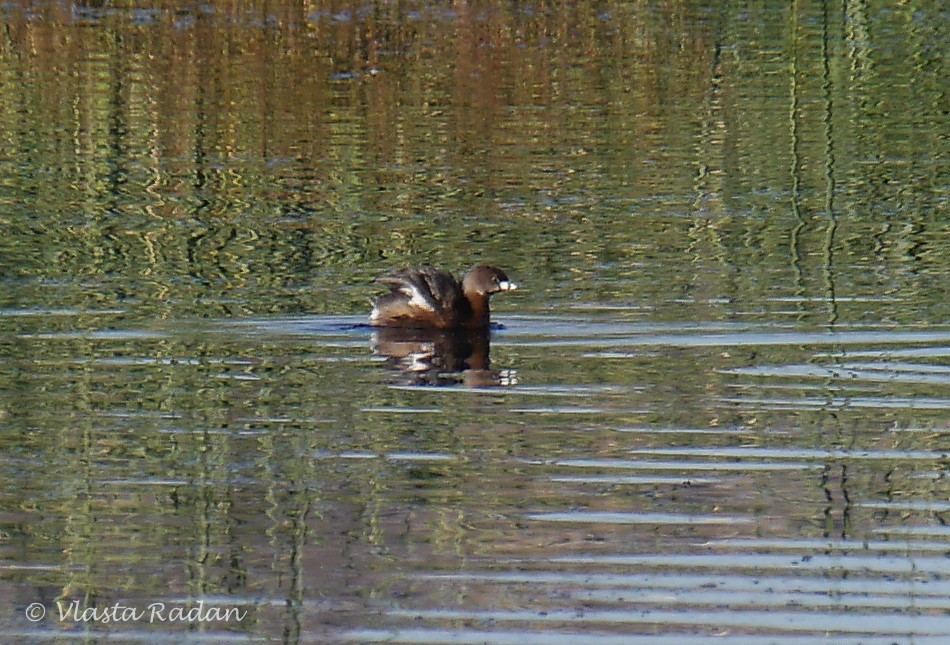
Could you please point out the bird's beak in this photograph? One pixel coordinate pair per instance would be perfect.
(507, 286)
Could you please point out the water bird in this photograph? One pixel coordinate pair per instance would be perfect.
(426, 298)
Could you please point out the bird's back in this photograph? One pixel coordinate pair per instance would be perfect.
(423, 297)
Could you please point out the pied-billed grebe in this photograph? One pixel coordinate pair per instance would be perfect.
(430, 299)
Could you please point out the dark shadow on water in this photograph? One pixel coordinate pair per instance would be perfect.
(431, 357)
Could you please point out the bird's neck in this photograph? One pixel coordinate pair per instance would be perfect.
(479, 304)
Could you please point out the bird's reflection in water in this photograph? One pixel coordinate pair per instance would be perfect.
(430, 357)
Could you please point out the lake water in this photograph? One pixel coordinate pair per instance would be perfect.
(717, 410)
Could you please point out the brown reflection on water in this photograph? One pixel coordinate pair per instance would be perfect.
(431, 357)
(219, 67)
(621, 152)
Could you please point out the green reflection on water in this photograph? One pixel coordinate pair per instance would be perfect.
(164, 170)
(231, 161)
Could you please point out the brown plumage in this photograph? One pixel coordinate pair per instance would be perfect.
(428, 298)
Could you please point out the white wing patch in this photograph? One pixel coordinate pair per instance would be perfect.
(416, 299)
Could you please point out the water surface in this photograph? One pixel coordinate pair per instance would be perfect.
(718, 408)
